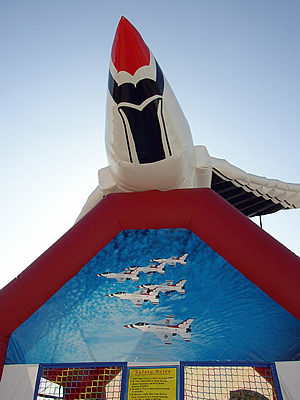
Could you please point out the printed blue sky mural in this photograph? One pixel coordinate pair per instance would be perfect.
(233, 319)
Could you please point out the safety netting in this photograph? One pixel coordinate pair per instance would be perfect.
(224, 382)
(198, 381)
(71, 382)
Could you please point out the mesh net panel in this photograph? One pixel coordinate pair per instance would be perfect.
(83, 383)
(228, 382)
(213, 382)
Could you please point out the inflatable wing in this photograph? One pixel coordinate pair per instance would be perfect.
(251, 194)
(149, 144)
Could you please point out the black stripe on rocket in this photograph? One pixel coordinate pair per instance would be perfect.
(146, 128)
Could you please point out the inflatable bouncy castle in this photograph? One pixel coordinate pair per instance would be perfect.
(164, 288)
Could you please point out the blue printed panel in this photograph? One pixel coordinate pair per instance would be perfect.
(218, 313)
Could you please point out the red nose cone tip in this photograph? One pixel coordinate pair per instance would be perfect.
(129, 51)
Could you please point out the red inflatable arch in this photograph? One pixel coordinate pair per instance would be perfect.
(258, 256)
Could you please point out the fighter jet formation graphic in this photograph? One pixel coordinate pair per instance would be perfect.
(150, 292)
(166, 329)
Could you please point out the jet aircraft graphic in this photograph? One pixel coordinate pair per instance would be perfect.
(122, 276)
(133, 272)
(152, 268)
(172, 260)
(138, 298)
(166, 288)
(166, 329)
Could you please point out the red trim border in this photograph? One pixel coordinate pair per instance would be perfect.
(258, 256)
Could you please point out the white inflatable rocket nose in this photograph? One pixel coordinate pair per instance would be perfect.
(148, 140)
(149, 144)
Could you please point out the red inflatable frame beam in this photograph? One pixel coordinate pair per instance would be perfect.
(258, 256)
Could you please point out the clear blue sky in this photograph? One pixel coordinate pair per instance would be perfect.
(233, 65)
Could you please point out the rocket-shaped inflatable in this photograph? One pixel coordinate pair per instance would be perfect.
(146, 131)
(149, 144)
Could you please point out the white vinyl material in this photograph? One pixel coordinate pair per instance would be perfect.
(18, 382)
(160, 176)
(289, 373)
